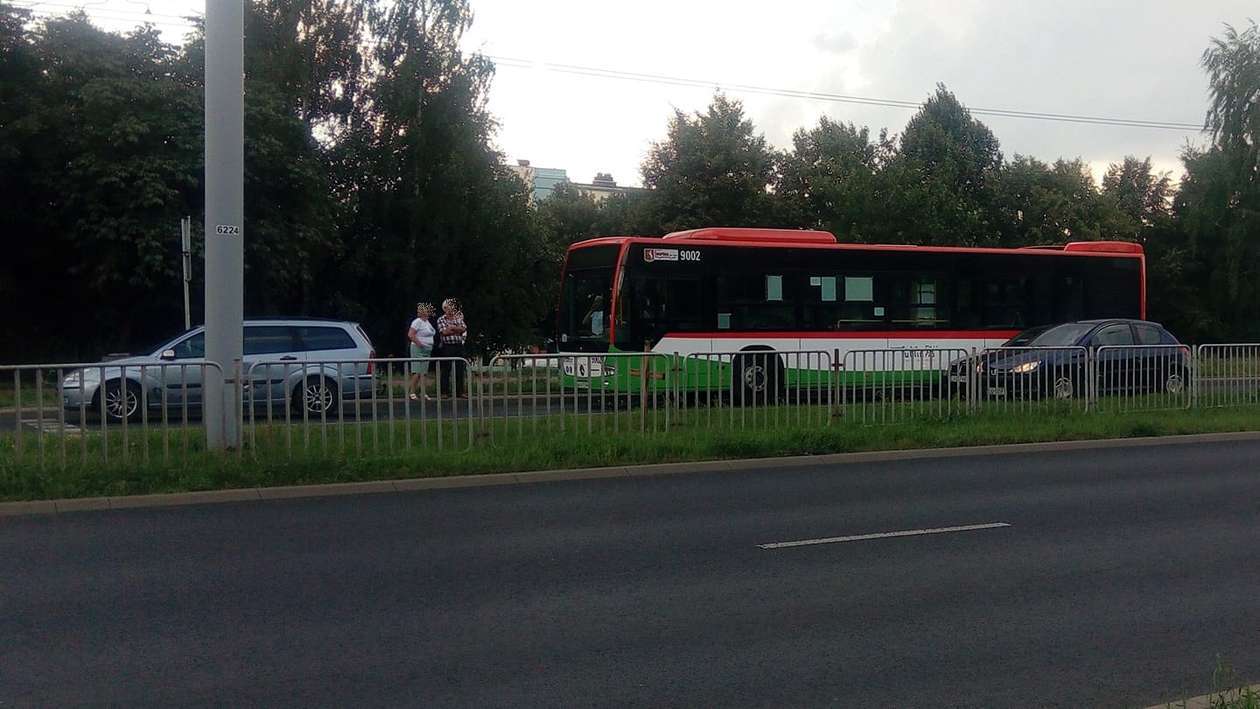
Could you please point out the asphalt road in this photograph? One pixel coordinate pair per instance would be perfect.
(1124, 574)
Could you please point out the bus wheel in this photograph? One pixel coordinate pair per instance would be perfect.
(1175, 382)
(758, 378)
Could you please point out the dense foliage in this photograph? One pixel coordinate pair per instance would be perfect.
(371, 183)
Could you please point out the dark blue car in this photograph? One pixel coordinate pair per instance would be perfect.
(1119, 355)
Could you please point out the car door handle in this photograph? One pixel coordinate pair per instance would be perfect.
(288, 358)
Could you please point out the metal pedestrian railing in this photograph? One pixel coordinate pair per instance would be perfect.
(893, 385)
(360, 405)
(87, 413)
(121, 413)
(756, 389)
(1142, 377)
(1032, 380)
(527, 395)
(1226, 375)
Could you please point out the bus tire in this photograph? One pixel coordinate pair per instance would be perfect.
(758, 378)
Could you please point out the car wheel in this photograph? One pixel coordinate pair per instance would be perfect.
(121, 401)
(1175, 383)
(316, 398)
(1064, 388)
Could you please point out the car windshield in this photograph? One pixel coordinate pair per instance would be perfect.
(1055, 336)
(168, 343)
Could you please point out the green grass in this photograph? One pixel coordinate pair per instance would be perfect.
(30, 394)
(1228, 691)
(280, 455)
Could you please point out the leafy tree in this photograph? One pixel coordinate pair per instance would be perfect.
(829, 179)
(1145, 197)
(432, 211)
(1038, 203)
(569, 216)
(110, 157)
(937, 188)
(1233, 66)
(712, 169)
(291, 216)
(1218, 205)
(19, 86)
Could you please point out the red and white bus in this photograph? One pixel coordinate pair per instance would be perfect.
(737, 289)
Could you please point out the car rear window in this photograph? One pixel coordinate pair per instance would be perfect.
(1058, 336)
(324, 338)
(268, 339)
(1148, 334)
(1114, 335)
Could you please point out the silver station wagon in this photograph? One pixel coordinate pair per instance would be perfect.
(302, 366)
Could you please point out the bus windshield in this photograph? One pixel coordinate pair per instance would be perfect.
(586, 299)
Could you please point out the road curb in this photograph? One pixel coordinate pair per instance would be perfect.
(1207, 701)
(289, 492)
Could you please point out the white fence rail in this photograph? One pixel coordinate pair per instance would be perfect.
(94, 413)
(1227, 375)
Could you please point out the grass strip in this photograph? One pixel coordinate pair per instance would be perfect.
(295, 455)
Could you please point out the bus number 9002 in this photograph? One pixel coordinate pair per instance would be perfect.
(685, 255)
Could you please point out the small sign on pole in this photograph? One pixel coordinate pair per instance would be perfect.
(185, 233)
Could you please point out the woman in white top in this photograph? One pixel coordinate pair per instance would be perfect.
(420, 343)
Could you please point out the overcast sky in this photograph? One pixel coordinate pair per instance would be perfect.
(1119, 58)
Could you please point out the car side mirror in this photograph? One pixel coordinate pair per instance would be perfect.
(167, 355)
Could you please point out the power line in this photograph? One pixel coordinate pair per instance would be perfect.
(99, 16)
(90, 8)
(602, 73)
(668, 80)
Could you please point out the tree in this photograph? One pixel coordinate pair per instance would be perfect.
(712, 169)
(937, 188)
(19, 88)
(567, 215)
(110, 155)
(1036, 203)
(1143, 196)
(1218, 205)
(431, 210)
(1233, 118)
(828, 180)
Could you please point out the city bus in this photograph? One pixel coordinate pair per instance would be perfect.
(742, 290)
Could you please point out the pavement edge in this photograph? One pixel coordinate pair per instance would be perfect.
(203, 497)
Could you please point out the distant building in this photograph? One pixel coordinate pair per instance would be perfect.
(603, 187)
(543, 180)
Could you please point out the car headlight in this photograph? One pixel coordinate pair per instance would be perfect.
(1026, 367)
(72, 380)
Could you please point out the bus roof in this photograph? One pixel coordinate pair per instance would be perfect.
(803, 239)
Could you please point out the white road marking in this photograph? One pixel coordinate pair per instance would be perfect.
(883, 535)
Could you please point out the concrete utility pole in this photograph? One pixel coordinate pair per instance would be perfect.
(225, 197)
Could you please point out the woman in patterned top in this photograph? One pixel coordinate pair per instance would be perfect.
(454, 333)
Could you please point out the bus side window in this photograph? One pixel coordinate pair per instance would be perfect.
(755, 300)
(1005, 302)
(967, 310)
